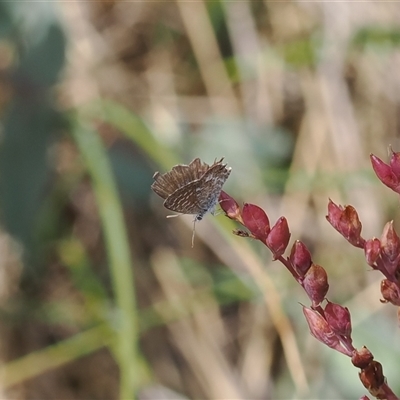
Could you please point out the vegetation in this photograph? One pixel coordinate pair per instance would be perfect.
(101, 296)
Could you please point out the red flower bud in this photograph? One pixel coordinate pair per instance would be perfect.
(334, 214)
(373, 379)
(361, 358)
(315, 284)
(395, 163)
(390, 292)
(338, 318)
(230, 207)
(385, 173)
(346, 222)
(256, 221)
(300, 257)
(278, 238)
(390, 245)
(321, 330)
(372, 250)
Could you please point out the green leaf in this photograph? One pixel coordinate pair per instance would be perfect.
(28, 127)
(41, 63)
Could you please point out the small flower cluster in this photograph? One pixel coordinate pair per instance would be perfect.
(384, 254)
(330, 324)
(381, 254)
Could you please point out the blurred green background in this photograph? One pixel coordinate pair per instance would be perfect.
(101, 296)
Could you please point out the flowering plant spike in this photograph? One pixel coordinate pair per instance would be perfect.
(331, 324)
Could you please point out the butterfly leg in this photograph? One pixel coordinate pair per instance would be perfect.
(194, 231)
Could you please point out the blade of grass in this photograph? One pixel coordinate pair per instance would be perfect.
(110, 211)
(133, 127)
(54, 356)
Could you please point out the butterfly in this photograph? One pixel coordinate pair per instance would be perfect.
(192, 189)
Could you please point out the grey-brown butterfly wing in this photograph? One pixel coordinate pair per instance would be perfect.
(210, 186)
(184, 200)
(179, 176)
